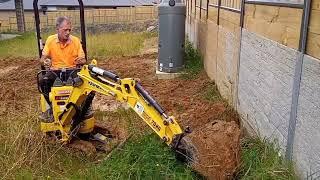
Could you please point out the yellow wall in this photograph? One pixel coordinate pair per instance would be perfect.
(92, 16)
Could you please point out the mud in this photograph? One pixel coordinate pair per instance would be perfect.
(218, 143)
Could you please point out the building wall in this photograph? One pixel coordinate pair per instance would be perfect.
(8, 19)
(93, 17)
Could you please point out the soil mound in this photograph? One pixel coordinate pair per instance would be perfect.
(216, 149)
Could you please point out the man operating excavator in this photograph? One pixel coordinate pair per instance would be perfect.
(61, 51)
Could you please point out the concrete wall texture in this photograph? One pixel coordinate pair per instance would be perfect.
(256, 75)
(307, 135)
(265, 82)
(227, 63)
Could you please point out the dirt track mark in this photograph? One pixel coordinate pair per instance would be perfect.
(4, 71)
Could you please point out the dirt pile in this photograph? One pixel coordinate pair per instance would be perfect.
(216, 149)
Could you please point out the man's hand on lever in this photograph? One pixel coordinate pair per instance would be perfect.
(45, 61)
(80, 61)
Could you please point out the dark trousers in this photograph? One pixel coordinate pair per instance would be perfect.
(47, 80)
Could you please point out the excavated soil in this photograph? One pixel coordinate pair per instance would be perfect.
(217, 143)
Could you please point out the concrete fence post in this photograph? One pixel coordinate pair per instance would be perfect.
(297, 80)
(242, 13)
(218, 16)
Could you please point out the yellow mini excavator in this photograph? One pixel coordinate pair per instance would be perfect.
(71, 96)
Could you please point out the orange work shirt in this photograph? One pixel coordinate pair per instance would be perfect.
(63, 55)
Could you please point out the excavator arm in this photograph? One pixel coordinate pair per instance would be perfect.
(92, 79)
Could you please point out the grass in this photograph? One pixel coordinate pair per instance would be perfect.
(22, 46)
(144, 157)
(25, 153)
(210, 93)
(261, 160)
(116, 44)
(193, 62)
(99, 46)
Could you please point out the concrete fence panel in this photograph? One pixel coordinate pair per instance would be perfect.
(202, 37)
(210, 57)
(227, 62)
(307, 137)
(265, 85)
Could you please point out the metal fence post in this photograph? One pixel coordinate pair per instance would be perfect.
(195, 9)
(218, 17)
(92, 12)
(207, 8)
(242, 8)
(242, 13)
(200, 8)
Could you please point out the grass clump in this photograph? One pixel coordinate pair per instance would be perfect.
(26, 154)
(144, 157)
(210, 92)
(193, 62)
(261, 160)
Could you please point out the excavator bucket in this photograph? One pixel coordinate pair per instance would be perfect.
(212, 150)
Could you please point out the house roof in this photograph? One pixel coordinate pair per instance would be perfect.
(98, 3)
(9, 5)
(28, 4)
